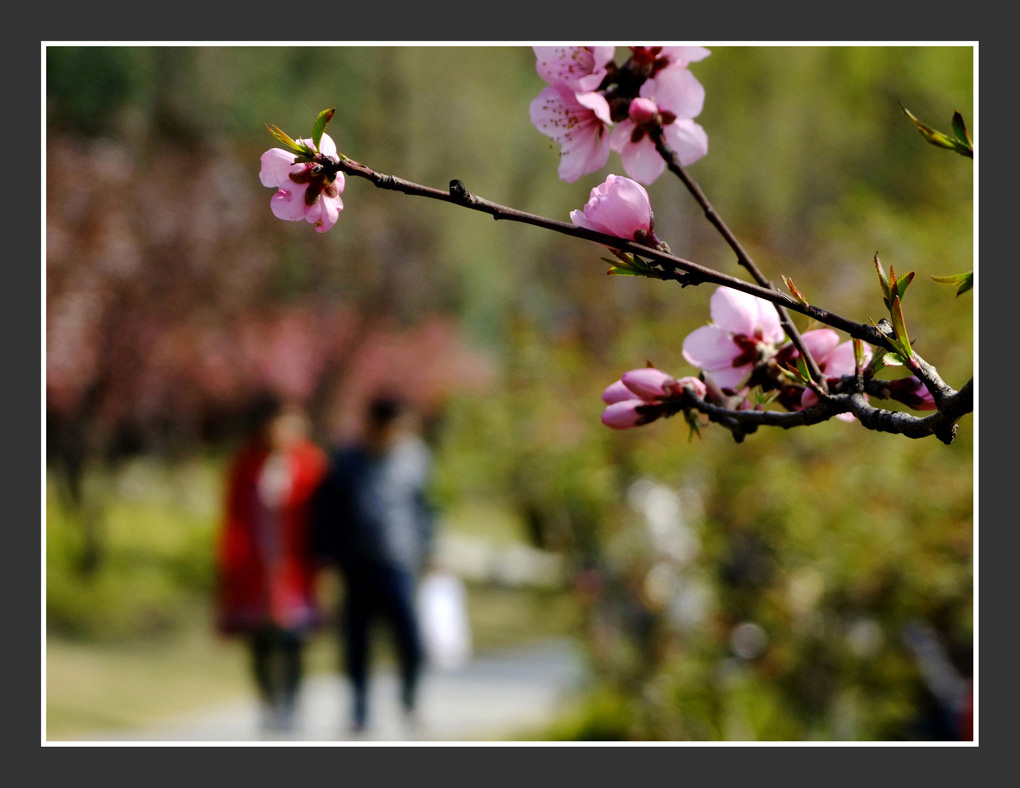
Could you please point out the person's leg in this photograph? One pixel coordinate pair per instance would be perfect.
(291, 645)
(261, 650)
(356, 619)
(400, 599)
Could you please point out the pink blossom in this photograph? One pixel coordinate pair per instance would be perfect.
(579, 122)
(744, 328)
(620, 207)
(581, 69)
(834, 361)
(912, 392)
(303, 193)
(631, 401)
(671, 98)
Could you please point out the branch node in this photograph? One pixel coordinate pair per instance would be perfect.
(459, 192)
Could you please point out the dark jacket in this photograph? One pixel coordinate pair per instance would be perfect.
(372, 510)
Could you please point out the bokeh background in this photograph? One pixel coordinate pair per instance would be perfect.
(805, 584)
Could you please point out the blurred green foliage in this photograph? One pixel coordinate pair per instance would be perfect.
(812, 163)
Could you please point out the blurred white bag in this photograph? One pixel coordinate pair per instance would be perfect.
(442, 612)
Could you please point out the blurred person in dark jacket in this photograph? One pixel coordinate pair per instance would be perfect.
(374, 522)
(266, 571)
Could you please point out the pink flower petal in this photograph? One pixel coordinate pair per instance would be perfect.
(735, 311)
(597, 103)
(289, 204)
(681, 56)
(582, 134)
(641, 160)
(676, 90)
(820, 342)
(324, 213)
(585, 152)
(840, 361)
(276, 167)
(687, 139)
(580, 68)
(710, 347)
(730, 377)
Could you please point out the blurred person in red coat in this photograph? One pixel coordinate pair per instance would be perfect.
(266, 572)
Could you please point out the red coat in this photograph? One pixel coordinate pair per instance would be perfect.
(266, 572)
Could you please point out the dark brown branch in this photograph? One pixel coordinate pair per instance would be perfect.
(671, 267)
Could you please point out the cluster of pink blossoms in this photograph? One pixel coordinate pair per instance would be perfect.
(740, 350)
(643, 395)
(304, 191)
(592, 106)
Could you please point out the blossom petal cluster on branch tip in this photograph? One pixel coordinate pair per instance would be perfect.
(620, 207)
(744, 329)
(640, 396)
(581, 69)
(587, 93)
(303, 193)
(579, 122)
(671, 99)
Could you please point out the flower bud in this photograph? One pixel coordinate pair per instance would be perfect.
(648, 383)
(628, 413)
(619, 207)
(616, 392)
(643, 110)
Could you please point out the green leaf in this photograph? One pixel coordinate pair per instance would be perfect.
(883, 280)
(960, 129)
(640, 264)
(320, 125)
(900, 327)
(902, 282)
(618, 271)
(962, 282)
(961, 146)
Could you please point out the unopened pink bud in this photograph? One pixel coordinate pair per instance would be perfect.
(698, 385)
(618, 206)
(643, 110)
(624, 415)
(648, 383)
(616, 392)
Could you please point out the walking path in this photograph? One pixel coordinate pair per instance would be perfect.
(495, 696)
